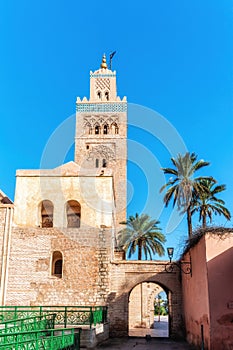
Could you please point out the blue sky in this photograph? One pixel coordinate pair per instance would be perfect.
(174, 57)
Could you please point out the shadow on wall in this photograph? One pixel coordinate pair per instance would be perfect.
(118, 314)
(221, 299)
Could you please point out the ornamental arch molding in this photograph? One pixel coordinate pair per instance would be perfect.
(104, 123)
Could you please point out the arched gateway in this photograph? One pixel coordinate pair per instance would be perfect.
(143, 300)
(125, 275)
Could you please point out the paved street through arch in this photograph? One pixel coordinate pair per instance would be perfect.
(142, 344)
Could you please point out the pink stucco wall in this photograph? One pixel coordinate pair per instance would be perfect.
(219, 254)
(195, 296)
(208, 294)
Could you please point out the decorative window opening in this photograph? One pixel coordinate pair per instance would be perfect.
(104, 163)
(105, 129)
(47, 214)
(87, 146)
(88, 129)
(97, 163)
(73, 210)
(57, 263)
(115, 128)
(97, 129)
(107, 95)
(99, 95)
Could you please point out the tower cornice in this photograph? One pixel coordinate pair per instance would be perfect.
(89, 106)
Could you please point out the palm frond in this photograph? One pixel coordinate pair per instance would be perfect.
(141, 231)
(205, 201)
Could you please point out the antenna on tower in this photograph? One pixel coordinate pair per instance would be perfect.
(111, 56)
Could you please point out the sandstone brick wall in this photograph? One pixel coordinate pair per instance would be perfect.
(6, 216)
(85, 280)
(90, 274)
(2, 229)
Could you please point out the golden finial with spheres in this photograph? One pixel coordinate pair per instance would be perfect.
(104, 64)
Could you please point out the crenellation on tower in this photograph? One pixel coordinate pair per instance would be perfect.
(103, 88)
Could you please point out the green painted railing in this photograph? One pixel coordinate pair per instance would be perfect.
(28, 324)
(65, 315)
(55, 339)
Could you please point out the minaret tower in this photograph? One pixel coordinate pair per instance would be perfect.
(101, 134)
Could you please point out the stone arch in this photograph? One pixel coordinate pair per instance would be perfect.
(115, 128)
(151, 300)
(106, 95)
(141, 311)
(46, 209)
(88, 129)
(73, 212)
(135, 274)
(97, 129)
(57, 264)
(99, 94)
(105, 129)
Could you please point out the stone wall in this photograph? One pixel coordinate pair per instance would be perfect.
(90, 276)
(3, 212)
(141, 305)
(112, 147)
(125, 275)
(6, 217)
(94, 193)
(85, 277)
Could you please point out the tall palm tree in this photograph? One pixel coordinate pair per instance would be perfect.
(184, 184)
(143, 233)
(206, 203)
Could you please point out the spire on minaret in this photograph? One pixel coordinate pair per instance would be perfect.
(104, 64)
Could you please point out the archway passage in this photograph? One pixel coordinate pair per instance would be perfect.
(148, 311)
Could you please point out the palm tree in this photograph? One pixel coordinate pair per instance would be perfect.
(143, 233)
(184, 184)
(206, 203)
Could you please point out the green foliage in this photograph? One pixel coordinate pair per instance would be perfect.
(206, 203)
(141, 233)
(161, 306)
(184, 185)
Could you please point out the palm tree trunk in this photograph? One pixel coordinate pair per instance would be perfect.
(139, 250)
(189, 220)
(204, 221)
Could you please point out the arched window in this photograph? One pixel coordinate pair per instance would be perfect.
(97, 129)
(115, 128)
(57, 263)
(47, 214)
(104, 164)
(73, 210)
(99, 95)
(97, 163)
(105, 129)
(88, 129)
(107, 95)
